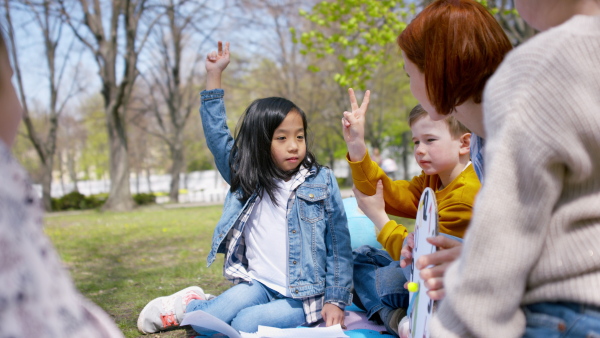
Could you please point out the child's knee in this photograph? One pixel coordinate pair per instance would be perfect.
(246, 321)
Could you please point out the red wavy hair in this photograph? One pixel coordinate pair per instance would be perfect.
(458, 45)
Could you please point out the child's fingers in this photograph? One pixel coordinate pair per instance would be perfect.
(345, 123)
(349, 117)
(379, 188)
(365, 102)
(329, 321)
(335, 319)
(353, 103)
(226, 48)
(220, 47)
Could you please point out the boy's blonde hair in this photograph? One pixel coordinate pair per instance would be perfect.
(456, 128)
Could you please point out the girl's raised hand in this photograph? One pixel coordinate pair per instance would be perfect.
(218, 60)
(353, 124)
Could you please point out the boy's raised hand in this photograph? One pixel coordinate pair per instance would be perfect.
(216, 62)
(353, 124)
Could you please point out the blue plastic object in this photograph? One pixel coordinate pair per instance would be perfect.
(362, 230)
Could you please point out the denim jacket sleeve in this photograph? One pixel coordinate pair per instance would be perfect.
(339, 253)
(214, 124)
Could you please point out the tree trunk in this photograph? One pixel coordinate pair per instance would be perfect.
(119, 196)
(47, 183)
(61, 173)
(177, 156)
(148, 180)
(405, 155)
(72, 170)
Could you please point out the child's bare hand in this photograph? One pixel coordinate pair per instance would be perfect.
(373, 206)
(333, 315)
(407, 250)
(353, 124)
(218, 60)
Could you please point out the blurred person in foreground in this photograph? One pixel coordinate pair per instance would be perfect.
(37, 296)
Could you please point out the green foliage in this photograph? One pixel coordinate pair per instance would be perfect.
(357, 31)
(143, 199)
(78, 201)
(94, 159)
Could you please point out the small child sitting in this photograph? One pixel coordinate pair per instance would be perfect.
(442, 151)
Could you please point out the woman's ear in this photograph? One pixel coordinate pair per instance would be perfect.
(465, 144)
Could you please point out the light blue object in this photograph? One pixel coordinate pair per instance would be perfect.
(362, 230)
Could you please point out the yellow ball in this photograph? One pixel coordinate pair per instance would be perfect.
(413, 287)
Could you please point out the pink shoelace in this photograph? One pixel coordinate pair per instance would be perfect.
(169, 320)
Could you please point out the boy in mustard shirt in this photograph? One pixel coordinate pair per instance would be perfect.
(441, 149)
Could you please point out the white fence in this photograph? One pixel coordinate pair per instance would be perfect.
(198, 186)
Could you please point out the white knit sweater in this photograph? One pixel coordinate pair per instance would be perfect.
(535, 231)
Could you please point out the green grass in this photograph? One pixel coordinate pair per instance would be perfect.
(121, 261)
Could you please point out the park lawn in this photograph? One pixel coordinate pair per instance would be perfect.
(121, 261)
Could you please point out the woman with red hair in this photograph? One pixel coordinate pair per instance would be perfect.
(450, 50)
(529, 266)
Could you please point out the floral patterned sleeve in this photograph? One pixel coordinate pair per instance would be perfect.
(37, 295)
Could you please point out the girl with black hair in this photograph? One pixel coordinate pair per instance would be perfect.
(283, 231)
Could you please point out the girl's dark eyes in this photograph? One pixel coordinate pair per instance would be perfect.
(431, 140)
(301, 137)
(416, 142)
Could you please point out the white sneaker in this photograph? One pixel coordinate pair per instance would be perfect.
(167, 312)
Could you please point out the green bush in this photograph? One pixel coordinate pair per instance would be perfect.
(143, 199)
(343, 182)
(78, 201)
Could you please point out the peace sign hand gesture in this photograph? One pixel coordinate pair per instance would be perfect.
(353, 124)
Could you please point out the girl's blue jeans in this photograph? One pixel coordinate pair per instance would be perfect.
(553, 320)
(245, 306)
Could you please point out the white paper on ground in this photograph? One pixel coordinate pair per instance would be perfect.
(334, 331)
(208, 321)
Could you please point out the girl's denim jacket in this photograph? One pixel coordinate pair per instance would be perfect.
(320, 254)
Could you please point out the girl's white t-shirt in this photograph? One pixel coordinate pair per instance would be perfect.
(266, 239)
